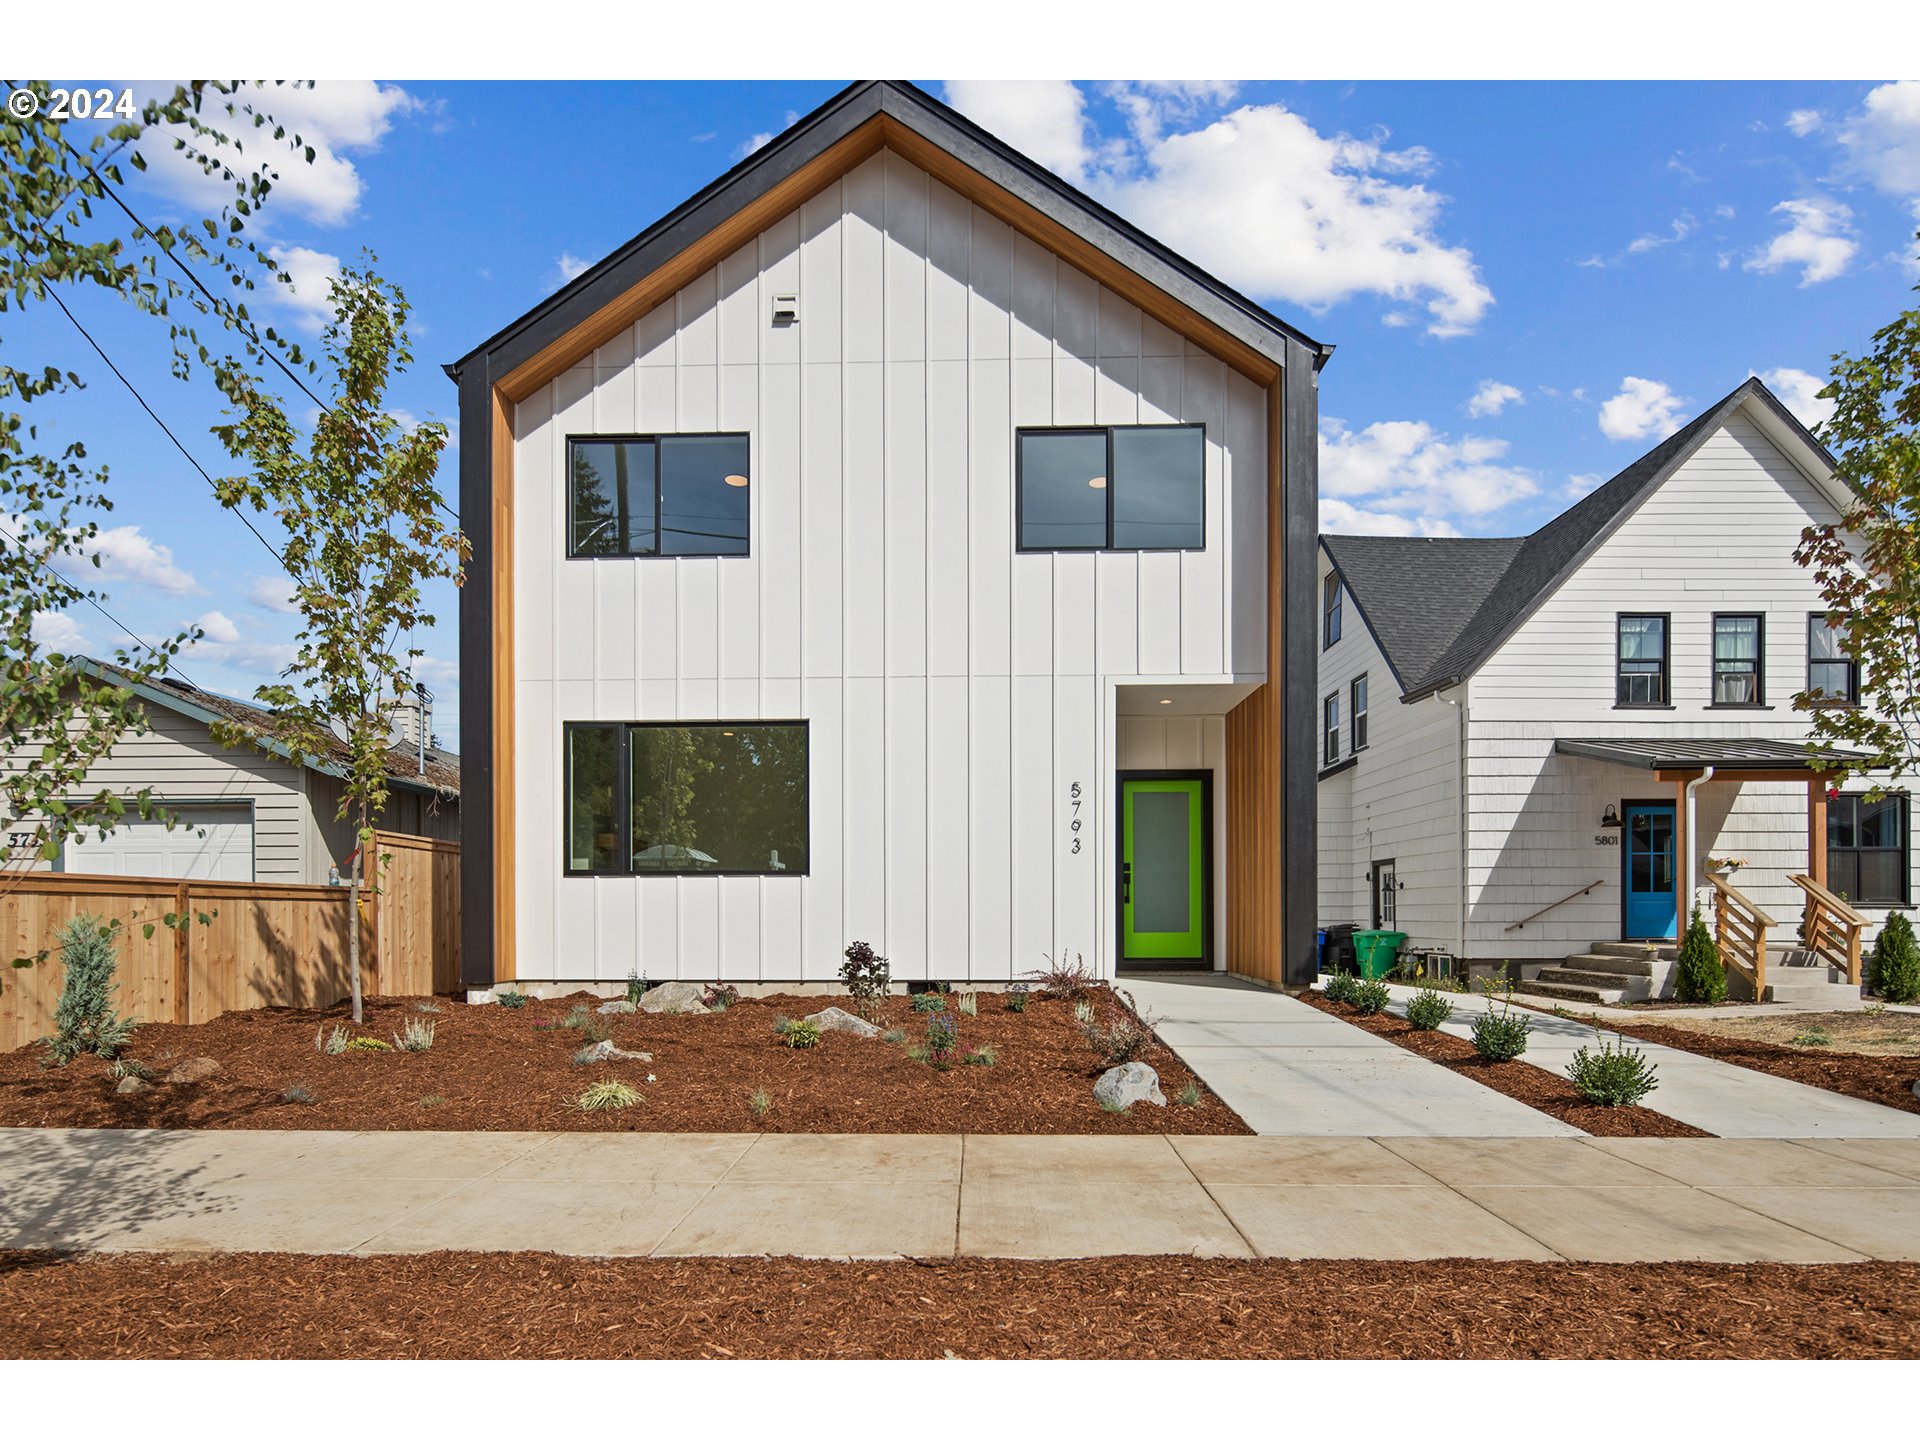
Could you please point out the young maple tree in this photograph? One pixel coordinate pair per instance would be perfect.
(63, 224)
(364, 532)
(1868, 563)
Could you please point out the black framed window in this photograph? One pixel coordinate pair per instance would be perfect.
(1330, 727)
(1739, 659)
(1329, 610)
(657, 495)
(1114, 487)
(1832, 673)
(1357, 712)
(1869, 856)
(717, 797)
(1640, 676)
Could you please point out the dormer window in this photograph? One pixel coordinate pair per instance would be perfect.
(1116, 487)
(657, 495)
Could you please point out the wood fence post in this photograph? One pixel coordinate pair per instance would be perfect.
(182, 956)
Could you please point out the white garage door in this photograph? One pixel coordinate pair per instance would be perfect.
(207, 842)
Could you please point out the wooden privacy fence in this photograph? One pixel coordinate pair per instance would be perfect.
(264, 944)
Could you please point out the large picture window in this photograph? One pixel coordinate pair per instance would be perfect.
(1832, 673)
(1868, 859)
(1641, 674)
(714, 798)
(657, 495)
(1118, 487)
(1739, 669)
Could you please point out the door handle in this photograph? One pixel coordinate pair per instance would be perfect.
(1126, 884)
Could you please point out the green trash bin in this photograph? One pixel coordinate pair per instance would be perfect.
(1377, 951)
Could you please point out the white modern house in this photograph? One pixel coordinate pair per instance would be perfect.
(889, 544)
(1536, 749)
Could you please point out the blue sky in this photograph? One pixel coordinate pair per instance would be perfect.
(1529, 284)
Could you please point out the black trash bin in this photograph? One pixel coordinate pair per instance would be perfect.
(1340, 954)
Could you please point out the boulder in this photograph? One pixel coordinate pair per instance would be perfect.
(834, 1018)
(607, 1050)
(676, 997)
(132, 1085)
(192, 1072)
(617, 1007)
(1125, 1085)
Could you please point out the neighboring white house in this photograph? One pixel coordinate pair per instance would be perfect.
(890, 544)
(241, 813)
(1510, 726)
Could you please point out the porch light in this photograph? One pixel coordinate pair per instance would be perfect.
(1098, 482)
(1610, 820)
(737, 481)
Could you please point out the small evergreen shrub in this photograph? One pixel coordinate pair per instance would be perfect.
(1340, 985)
(1017, 997)
(1813, 1037)
(1499, 1034)
(800, 1035)
(334, 1044)
(415, 1036)
(1700, 979)
(1895, 975)
(1370, 997)
(608, 1095)
(758, 1104)
(366, 1044)
(123, 1067)
(929, 1002)
(1428, 1010)
(867, 977)
(511, 999)
(297, 1095)
(1188, 1095)
(1113, 1106)
(84, 1020)
(1616, 1075)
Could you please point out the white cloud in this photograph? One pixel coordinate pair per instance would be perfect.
(273, 592)
(1580, 486)
(127, 554)
(568, 267)
(1803, 122)
(1492, 397)
(1682, 227)
(1642, 408)
(1818, 239)
(1412, 478)
(1882, 138)
(759, 140)
(1257, 196)
(59, 632)
(1800, 393)
(332, 116)
(307, 289)
(219, 628)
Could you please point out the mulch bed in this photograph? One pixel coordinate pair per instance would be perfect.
(1883, 1079)
(504, 1306)
(1546, 1092)
(492, 1068)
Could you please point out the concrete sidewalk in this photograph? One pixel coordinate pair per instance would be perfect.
(853, 1196)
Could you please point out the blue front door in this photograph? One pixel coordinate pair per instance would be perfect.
(1649, 872)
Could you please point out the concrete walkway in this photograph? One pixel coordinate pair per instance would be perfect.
(1288, 1069)
(851, 1196)
(1722, 1099)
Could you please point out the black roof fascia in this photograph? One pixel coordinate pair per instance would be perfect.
(1365, 619)
(1670, 754)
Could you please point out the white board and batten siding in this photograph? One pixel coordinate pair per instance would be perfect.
(1399, 802)
(1717, 536)
(954, 689)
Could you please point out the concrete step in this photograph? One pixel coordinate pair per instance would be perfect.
(1573, 973)
(1625, 949)
(1584, 994)
(1613, 964)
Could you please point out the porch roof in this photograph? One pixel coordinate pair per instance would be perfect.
(1681, 753)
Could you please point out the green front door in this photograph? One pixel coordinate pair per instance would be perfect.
(1163, 869)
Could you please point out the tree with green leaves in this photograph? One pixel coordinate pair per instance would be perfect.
(365, 531)
(1868, 563)
(63, 223)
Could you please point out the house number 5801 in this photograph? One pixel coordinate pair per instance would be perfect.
(1073, 825)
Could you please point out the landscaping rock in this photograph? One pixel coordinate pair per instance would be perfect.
(617, 1007)
(1125, 1085)
(192, 1072)
(132, 1085)
(834, 1018)
(676, 997)
(607, 1050)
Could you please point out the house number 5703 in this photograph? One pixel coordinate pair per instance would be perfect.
(1073, 824)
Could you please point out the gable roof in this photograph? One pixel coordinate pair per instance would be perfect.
(884, 113)
(1484, 606)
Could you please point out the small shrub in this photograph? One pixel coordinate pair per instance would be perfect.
(929, 1002)
(426, 1007)
(968, 1004)
(943, 1040)
(588, 1055)
(366, 1044)
(1083, 1012)
(1339, 987)
(636, 987)
(720, 997)
(1699, 979)
(1188, 1095)
(1895, 973)
(1370, 997)
(980, 1055)
(608, 1095)
(593, 1028)
(1428, 1010)
(415, 1036)
(1118, 1041)
(1813, 1037)
(758, 1104)
(1063, 981)
(84, 1020)
(894, 1037)
(1112, 1106)
(800, 1035)
(123, 1067)
(867, 977)
(511, 999)
(334, 1044)
(918, 1053)
(1499, 1034)
(431, 1102)
(1017, 997)
(1617, 1075)
(297, 1095)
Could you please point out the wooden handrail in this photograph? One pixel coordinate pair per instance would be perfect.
(1832, 929)
(1740, 928)
(1520, 924)
(1830, 900)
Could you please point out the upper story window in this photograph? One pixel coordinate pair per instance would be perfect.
(1330, 729)
(1640, 674)
(657, 495)
(1116, 487)
(1358, 713)
(1831, 671)
(1739, 668)
(1329, 610)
